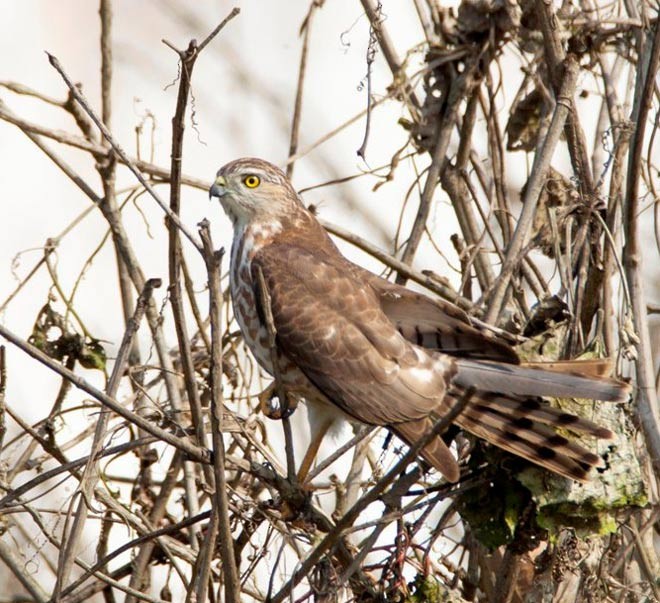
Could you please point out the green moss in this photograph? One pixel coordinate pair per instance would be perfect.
(492, 512)
(583, 520)
(426, 589)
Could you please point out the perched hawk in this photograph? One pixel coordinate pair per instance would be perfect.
(356, 346)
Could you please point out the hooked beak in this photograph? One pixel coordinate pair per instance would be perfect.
(219, 187)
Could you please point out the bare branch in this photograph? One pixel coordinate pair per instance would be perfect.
(213, 263)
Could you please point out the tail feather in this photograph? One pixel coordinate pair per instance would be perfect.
(541, 412)
(524, 427)
(551, 458)
(587, 367)
(435, 452)
(511, 379)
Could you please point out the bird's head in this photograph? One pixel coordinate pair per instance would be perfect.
(253, 190)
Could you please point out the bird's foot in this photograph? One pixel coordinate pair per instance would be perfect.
(271, 405)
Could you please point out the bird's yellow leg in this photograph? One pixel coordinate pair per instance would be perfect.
(312, 451)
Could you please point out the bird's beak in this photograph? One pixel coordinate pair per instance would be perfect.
(219, 187)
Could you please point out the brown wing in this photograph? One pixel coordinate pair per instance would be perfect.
(436, 324)
(333, 328)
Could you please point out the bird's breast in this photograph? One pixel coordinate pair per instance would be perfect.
(242, 289)
(244, 301)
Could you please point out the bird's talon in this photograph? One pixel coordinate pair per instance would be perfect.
(288, 411)
(266, 402)
(269, 403)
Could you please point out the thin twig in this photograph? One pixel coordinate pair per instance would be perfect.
(297, 107)
(187, 60)
(120, 151)
(234, 12)
(364, 432)
(213, 263)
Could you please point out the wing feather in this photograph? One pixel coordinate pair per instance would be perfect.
(437, 324)
(333, 327)
(349, 343)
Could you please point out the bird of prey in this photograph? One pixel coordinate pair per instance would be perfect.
(358, 347)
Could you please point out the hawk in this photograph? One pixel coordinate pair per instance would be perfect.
(358, 347)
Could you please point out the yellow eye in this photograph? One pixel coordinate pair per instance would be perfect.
(252, 181)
